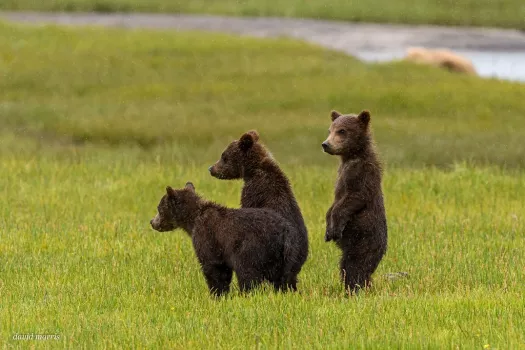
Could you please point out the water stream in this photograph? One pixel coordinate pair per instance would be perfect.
(507, 65)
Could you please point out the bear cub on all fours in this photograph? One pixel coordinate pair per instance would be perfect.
(356, 221)
(265, 186)
(252, 242)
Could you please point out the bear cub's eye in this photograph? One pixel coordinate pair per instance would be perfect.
(223, 158)
(341, 131)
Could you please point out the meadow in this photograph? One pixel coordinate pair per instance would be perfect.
(96, 122)
(501, 13)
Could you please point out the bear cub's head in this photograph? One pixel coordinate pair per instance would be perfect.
(348, 134)
(235, 157)
(175, 208)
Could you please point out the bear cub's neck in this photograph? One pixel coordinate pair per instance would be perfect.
(266, 165)
(366, 154)
(195, 207)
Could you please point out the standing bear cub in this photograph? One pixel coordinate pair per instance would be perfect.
(265, 186)
(356, 221)
(251, 242)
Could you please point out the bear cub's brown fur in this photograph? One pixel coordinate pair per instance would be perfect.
(356, 221)
(251, 242)
(265, 186)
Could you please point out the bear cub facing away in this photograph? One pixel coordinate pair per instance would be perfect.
(356, 221)
(251, 242)
(265, 186)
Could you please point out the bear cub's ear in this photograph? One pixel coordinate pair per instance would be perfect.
(364, 117)
(335, 114)
(189, 186)
(170, 191)
(248, 139)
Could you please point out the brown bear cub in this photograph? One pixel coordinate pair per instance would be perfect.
(265, 186)
(356, 221)
(251, 242)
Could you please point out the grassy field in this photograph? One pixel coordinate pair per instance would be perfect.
(501, 13)
(95, 123)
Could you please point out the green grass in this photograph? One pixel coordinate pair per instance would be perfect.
(96, 123)
(79, 260)
(501, 13)
(152, 89)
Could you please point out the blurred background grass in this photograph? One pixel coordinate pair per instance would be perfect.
(197, 92)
